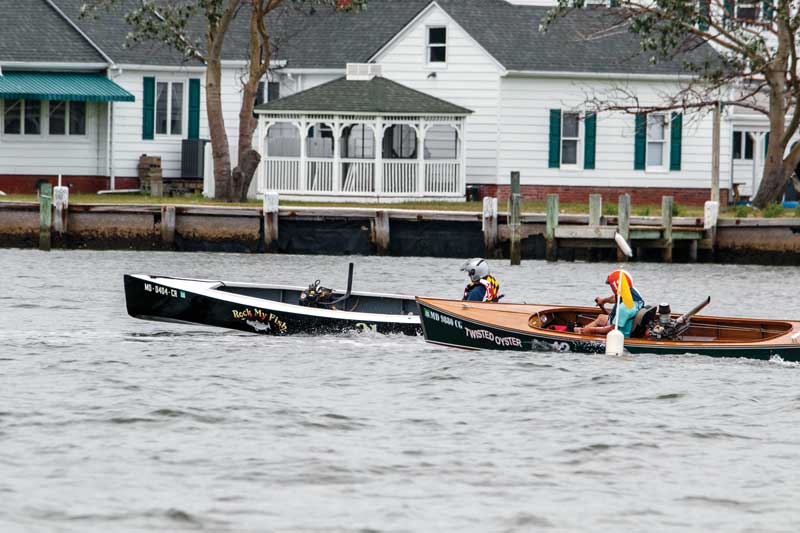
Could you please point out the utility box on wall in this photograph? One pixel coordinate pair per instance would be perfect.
(192, 158)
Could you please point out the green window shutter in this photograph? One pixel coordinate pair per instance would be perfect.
(554, 159)
(590, 127)
(766, 144)
(614, 3)
(729, 6)
(675, 141)
(640, 142)
(705, 12)
(767, 10)
(148, 107)
(194, 109)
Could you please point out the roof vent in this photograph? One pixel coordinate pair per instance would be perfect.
(362, 71)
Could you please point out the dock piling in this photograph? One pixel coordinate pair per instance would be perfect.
(666, 222)
(270, 212)
(61, 203)
(595, 209)
(45, 215)
(514, 219)
(168, 219)
(381, 232)
(624, 222)
(550, 227)
(490, 226)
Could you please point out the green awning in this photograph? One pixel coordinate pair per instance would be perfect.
(81, 87)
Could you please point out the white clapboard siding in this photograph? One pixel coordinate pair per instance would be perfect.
(77, 155)
(524, 138)
(127, 125)
(471, 78)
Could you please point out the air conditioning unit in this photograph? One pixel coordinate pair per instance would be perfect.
(363, 71)
(193, 158)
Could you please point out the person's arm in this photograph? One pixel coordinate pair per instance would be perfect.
(594, 330)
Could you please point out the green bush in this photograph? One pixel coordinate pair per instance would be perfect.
(643, 211)
(610, 209)
(773, 211)
(797, 211)
(677, 209)
(742, 211)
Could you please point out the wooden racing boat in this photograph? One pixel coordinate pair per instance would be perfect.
(267, 309)
(525, 327)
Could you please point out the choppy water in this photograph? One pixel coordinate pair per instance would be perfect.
(108, 423)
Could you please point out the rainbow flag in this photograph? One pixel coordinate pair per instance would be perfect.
(625, 290)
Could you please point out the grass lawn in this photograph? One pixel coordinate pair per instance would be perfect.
(530, 206)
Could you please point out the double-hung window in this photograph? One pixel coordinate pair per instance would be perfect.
(67, 118)
(656, 140)
(742, 145)
(437, 45)
(570, 138)
(22, 117)
(169, 108)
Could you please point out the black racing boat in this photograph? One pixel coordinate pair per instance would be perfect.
(269, 309)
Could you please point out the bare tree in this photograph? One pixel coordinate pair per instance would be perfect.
(756, 64)
(197, 29)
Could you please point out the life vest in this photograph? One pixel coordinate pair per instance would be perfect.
(492, 288)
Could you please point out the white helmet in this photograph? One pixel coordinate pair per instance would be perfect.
(476, 268)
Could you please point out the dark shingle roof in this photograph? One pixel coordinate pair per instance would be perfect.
(323, 38)
(33, 31)
(378, 95)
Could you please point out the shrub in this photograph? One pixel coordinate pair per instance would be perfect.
(677, 209)
(742, 211)
(797, 211)
(643, 211)
(773, 211)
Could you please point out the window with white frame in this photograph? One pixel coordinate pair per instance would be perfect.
(742, 145)
(437, 44)
(656, 139)
(748, 9)
(169, 107)
(66, 118)
(22, 117)
(570, 138)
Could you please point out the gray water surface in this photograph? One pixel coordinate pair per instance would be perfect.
(108, 423)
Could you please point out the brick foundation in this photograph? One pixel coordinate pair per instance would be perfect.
(26, 184)
(639, 195)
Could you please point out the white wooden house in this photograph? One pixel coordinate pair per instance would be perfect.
(525, 90)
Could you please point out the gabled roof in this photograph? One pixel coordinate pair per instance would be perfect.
(33, 31)
(378, 95)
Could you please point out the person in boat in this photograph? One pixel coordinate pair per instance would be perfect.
(630, 303)
(482, 286)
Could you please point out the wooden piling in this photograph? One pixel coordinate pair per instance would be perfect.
(693, 250)
(270, 212)
(710, 219)
(490, 226)
(624, 222)
(595, 209)
(666, 222)
(550, 227)
(514, 219)
(168, 219)
(61, 203)
(381, 232)
(45, 215)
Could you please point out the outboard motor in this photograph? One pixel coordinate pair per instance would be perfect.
(316, 296)
(667, 328)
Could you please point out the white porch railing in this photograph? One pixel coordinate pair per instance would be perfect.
(358, 176)
(443, 177)
(400, 177)
(281, 174)
(319, 175)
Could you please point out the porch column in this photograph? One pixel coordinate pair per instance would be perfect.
(337, 163)
(262, 164)
(378, 155)
(303, 156)
(461, 131)
(758, 158)
(421, 156)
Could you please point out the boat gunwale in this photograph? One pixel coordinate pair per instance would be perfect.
(794, 327)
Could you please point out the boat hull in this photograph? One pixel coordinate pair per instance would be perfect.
(444, 327)
(173, 300)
